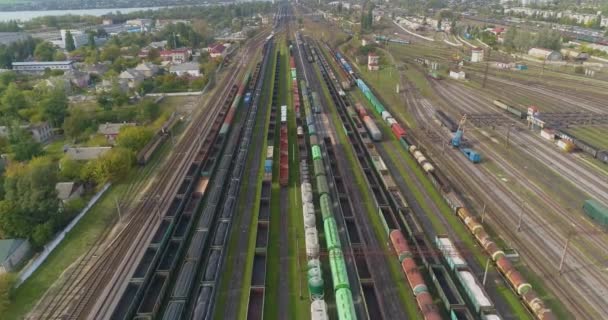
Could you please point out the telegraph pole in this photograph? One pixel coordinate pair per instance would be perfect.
(483, 212)
(485, 273)
(118, 209)
(521, 216)
(485, 74)
(561, 263)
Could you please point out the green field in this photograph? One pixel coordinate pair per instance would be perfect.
(595, 136)
(380, 233)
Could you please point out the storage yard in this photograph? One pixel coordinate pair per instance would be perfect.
(310, 189)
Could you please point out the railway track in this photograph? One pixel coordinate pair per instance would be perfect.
(108, 265)
(535, 257)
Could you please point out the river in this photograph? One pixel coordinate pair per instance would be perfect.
(28, 15)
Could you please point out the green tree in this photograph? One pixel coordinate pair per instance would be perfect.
(148, 110)
(91, 40)
(70, 169)
(113, 166)
(30, 200)
(59, 56)
(44, 51)
(110, 53)
(69, 41)
(12, 100)
(23, 145)
(55, 107)
(133, 138)
(7, 284)
(76, 124)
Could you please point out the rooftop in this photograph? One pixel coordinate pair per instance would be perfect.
(185, 66)
(65, 189)
(57, 63)
(8, 246)
(86, 153)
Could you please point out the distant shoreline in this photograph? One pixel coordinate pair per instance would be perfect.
(27, 15)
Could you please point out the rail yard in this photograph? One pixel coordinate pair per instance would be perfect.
(304, 186)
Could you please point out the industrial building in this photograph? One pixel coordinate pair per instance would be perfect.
(40, 66)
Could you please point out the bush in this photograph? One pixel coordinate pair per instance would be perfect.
(7, 289)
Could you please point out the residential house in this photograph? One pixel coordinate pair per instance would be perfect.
(111, 130)
(41, 132)
(545, 54)
(179, 55)
(55, 83)
(133, 77)
(98, 69)
(189, 68)
(86, 153)
(217, 50)
(147, 69)
(12, 253)
(107, 85)
(78, 78)
(68, 191)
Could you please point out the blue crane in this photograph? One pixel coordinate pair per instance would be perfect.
(459, 133)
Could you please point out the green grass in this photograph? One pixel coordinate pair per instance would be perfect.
(271, 310)
(596, 136)
(300, 304)
(260, 124)
(380, 233)
(76, 243)
(397, 154)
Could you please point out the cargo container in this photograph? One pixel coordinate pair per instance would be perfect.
(332, 238)
(268, 166)
(374, 132)
(400, 245)
(565, 145)
(461, 314)
(318, 310)
(474, 291)
(449, 252)
(316, 152)
(345, 305)
(548, 134)
(269, 152)
(385, 115)
(326, 206)
(597, 212)
(414, 278)
(312, 242)
(201, 186)
(398, 131)
(471, 155)
(603, 156)
(339, 274)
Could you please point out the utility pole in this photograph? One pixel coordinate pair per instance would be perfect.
(485, 273)
(118, 209)
(485, 74)
(561, 263)
(508, 134)
(483, 212)
(521, 216)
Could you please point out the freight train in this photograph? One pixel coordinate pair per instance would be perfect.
(341, 285)
(516, 112)
(406, 259)
(515, 280)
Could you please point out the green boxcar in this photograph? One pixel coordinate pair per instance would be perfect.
(344, 304)
(322, 186)
(326, 206)
(319, 167)
(404, 143)
(316, 152)
(339, 275)
(597, 212)
(332, 238)
(516, 112)
(312, 129)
